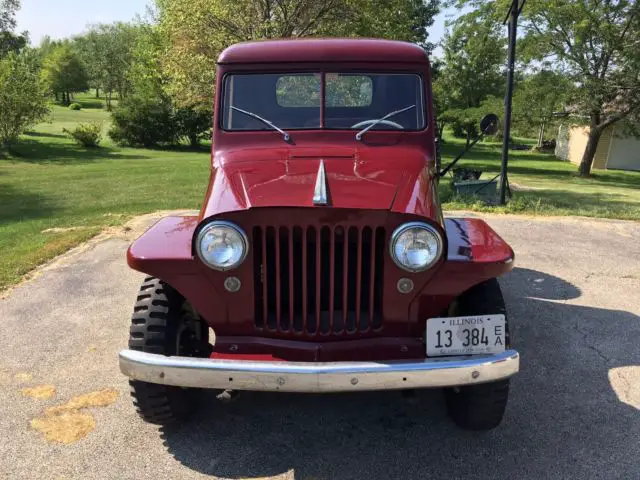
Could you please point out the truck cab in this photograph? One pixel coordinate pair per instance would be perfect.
(320, 260)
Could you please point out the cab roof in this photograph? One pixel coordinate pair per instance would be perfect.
(313, 50)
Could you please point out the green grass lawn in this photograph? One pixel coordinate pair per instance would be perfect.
(546, 186)
(55, 184)
(52, 183)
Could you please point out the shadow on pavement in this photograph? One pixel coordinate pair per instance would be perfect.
(563, 420)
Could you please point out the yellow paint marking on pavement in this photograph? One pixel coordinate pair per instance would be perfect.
(41, 392)
(101, 398)
(65, 428)
(23, 377)
(66, 423)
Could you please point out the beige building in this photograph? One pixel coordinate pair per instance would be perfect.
(615, 151)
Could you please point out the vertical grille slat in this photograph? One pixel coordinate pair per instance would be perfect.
(303, 260)
(358, 278)
(332, 281)
(318, 299)
(372, 277)
(264, 276)
(292, 284)
(319, 280)
(278, 279)
(272, 300)
(345, 279)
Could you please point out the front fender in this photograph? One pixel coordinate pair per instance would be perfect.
(165, 251)
(475, 253)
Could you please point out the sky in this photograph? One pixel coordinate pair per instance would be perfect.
(64, 18)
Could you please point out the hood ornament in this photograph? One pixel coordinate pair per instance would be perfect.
(320, 191)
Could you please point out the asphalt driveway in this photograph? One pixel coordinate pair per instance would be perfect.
(574, 412)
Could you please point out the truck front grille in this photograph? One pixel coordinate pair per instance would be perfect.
(318, 280)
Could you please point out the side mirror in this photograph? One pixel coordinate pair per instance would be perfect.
(489, 124)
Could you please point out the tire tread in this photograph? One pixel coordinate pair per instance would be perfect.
(152, 330)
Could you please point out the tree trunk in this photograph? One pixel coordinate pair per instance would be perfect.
(541, 135)
(109, 101)
(440, 130)
(589, 152)
(595, 132)
(468, 139)
(193, 141)
(97, 92)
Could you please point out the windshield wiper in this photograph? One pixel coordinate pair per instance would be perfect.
(375, 122)
(285, 135)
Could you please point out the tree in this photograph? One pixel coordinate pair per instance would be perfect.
(538, 96)
(107, 51)
(8, 9)
(196, 31)
(10, 41)
(597, 44)
(23, 96)
(441, 97)
(473, 57)
(47, 46)
(594, 43)
(406, 20)
(148, 116)
(64, 72)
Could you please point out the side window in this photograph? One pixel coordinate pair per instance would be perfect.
(298, 90)
(344, 90)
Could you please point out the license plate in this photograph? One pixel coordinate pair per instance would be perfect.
(480, 334)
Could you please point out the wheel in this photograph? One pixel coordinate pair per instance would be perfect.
(482, 406)
(163, 323)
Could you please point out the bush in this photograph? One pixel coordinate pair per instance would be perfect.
(193, 125)
(149, 119)
(75, 106)
(86, 134)
(144, 121)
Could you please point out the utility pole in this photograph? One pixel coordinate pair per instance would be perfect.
(512, 21)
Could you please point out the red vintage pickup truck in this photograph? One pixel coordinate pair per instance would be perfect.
(321, 261)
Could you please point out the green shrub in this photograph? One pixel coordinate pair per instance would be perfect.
(75, 106)
(23, 96)
(193, 125)
(86, 134)
(144, 121)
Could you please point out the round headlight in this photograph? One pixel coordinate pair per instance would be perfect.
(222, 245)
(415, 246)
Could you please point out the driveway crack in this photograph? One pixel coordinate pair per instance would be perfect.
(591, 346)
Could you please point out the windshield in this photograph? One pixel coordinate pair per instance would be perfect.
(352, 101)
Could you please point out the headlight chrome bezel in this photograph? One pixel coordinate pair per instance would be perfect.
(410, 225)
(225, 224)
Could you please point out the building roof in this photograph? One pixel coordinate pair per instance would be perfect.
(313, 50)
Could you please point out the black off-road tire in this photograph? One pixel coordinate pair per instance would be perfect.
(154, 329)
(482, 406)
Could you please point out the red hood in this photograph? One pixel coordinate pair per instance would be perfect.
(391, 178)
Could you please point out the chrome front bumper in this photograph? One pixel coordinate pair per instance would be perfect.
(317, 377)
